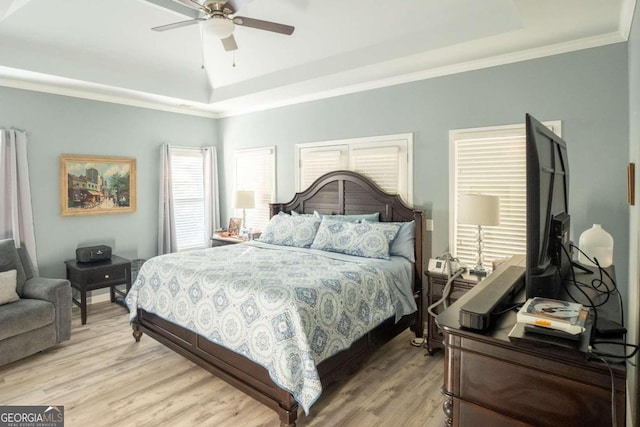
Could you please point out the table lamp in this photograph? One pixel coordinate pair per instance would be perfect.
(480, 210)
(245, 200)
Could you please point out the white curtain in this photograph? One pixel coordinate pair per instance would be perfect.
(211, 192)
(16, 213)
(167, 241)
(167, 238)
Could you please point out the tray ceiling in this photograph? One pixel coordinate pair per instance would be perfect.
(106, 50)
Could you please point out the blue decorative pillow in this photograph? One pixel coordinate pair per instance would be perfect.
(405, 242)
(287, 230)
(365, 239)
(294, 213)
(373, 217)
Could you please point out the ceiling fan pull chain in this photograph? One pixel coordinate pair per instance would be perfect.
(202, 47)
(234, 58)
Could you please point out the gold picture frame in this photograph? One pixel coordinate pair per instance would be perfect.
(96, 185)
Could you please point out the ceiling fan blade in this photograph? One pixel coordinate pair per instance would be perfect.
(192, 4)
(264, 25)
(178, 24)
(229, 43)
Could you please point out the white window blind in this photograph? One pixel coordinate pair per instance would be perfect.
(384, 164)
(187, 175)
(386, 160)
(490, 161)
(316, 161)
(255, 170)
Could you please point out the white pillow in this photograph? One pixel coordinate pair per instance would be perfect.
(8, 287)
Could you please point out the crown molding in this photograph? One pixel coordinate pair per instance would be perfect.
(462, 67)
(68, 87)
(84, 90)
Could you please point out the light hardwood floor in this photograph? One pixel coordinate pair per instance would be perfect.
(103, 377)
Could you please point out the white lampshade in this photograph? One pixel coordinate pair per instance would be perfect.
(478, 209)
(245, 199)
(219, 27)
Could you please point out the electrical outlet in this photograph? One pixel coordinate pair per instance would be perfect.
(429, 225)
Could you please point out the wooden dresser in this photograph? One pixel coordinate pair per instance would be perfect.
(492, 381)
(437, 282)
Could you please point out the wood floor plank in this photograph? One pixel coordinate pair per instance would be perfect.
(103, 377)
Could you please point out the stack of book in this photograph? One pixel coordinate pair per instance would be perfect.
(546, 316)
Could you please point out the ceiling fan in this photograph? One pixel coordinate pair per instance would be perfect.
(217, 20)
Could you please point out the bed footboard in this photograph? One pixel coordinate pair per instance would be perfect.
(251, 378)
(235, 369)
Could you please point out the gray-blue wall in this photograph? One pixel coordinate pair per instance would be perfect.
(58, 124)
(587, 90)
(633, 311)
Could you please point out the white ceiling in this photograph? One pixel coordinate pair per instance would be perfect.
(105, 50)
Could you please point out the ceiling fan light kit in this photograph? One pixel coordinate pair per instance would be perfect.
(217, 20)
(219, 27)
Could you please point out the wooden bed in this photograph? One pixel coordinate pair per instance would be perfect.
(339, 192)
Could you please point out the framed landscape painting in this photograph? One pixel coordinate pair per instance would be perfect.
(93, 185)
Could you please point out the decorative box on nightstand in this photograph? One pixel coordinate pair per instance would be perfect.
(437, 282)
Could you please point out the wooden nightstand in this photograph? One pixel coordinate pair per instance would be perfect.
(217, 240)
(437, 282)
(89, 276)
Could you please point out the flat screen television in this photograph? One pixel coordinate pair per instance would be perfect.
(548, 259)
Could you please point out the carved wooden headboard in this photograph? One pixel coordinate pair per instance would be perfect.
(349, 193)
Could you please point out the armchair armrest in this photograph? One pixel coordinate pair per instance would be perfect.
(57, 292)
(43, 288)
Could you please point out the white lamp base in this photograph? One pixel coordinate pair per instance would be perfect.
(479, 269)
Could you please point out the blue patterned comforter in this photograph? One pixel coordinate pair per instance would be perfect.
(286, 310)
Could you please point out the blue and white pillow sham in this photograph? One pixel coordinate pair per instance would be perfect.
(287, 230)
(372, 217)
(299, 230)
(365, 239)
(315, 213)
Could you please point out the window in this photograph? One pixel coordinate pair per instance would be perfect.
(386, 160)
(187, 178)
(256, 170)
(490, 161)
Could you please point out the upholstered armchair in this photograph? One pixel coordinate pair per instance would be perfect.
(35, 312)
